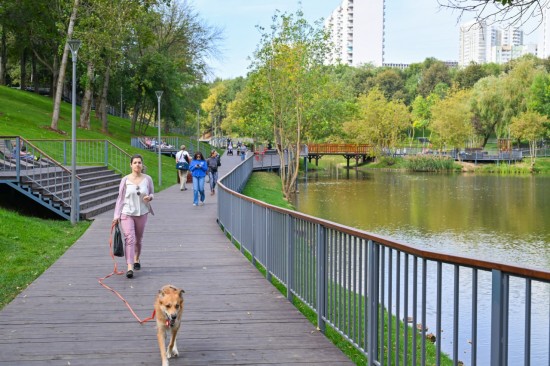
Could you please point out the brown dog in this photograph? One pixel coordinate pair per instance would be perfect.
(168, 311)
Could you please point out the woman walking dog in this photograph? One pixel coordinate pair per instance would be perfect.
(133, 204)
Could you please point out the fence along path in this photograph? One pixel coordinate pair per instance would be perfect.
(232, 315)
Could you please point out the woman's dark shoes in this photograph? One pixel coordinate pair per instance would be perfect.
(137, 266)
(130, 273)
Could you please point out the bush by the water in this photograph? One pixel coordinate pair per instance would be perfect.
(424, 163)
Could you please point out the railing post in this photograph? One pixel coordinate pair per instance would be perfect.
(321, 277)
(498, 318)
(253, 244)
(289, 257)
(18, 158)
(106, 153)
(65, 152)
(267, 245)
(77, 198)
(372, 305)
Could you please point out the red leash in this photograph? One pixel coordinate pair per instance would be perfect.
(115, 271)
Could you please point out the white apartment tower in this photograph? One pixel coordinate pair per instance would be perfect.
(356, 29)
(480, 44)
(473, 43)
(506, 44)
(543, 50)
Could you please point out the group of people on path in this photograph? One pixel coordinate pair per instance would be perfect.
(199, 168)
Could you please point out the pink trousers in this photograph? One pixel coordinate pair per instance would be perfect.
(132, 228)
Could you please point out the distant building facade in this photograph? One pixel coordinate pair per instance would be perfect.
(473, 44)
(480, 44)
(543, 50)
(356, 29)
(402, 66)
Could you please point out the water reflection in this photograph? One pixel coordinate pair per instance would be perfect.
(481, 216)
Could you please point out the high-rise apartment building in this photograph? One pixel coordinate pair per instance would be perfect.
(543, 50)
(480, 44)
(473, 43)
(356, 29)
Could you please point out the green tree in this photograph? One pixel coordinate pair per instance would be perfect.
(451, 121)
(421, 113)
(487, 104)
(529, 126)
(379, 122)
(289, 73)
(437, 72)
(516, 90)
(467, 77)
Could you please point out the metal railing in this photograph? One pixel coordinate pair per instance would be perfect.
(26, 167)
(144, 142)
(389, 299)
(88, 153)
(44, 166)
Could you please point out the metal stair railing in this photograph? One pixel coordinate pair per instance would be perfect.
(89, 152)
(29, 169)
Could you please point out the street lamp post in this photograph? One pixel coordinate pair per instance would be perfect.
(74, 46)
(198, 129)
(159, 95)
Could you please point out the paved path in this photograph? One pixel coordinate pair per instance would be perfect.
(232, 316)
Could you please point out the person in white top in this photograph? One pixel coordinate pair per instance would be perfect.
(183, 156)
(135, 193)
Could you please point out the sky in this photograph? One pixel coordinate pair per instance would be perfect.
(414, 30)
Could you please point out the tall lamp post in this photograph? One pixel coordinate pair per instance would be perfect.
(159, 95)
(198, 129)
(74, 46)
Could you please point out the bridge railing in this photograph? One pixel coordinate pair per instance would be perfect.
(340, 148)
(388, 298)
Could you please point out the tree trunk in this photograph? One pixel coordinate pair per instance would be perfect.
(103, 97)
(61, 76)
(55, 75)
(23, 67)
(86, 106)
(135, 115)
(3, 57)
(34, 75)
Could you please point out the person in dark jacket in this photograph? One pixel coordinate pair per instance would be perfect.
(198, 168)
(213, 163)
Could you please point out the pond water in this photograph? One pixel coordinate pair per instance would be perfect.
(490, 217)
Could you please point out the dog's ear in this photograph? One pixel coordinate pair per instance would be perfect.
(181, 293)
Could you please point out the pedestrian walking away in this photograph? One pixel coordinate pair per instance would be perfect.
(213, 163)
(242, 148)
(198, 168)
(135, 193)
(182, 156)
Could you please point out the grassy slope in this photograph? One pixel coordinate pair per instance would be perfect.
(29, 115)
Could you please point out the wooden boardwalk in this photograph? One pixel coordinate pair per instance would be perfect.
(232, 316)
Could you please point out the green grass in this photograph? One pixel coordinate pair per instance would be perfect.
(266, 187)
(28, 246)
(28, 115)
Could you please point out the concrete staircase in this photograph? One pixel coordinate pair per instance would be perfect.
(98, 191)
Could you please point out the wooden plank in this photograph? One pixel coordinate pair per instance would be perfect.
(232, 315)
